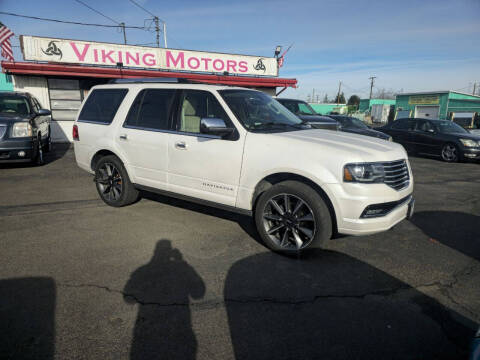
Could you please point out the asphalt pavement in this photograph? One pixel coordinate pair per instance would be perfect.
(166, 279)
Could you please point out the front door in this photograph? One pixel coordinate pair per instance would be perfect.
(424, 138)
(144, 136)
(199, 165)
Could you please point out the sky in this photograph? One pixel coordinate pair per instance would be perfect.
(422, 45)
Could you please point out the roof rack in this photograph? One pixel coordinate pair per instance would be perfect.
(150, 80)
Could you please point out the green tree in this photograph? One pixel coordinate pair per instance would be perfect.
(354, 100)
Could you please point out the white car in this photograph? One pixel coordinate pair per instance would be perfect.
(241, 150)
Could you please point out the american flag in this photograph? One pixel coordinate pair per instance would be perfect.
(5, 34)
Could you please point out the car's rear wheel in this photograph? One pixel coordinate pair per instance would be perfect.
(450, 153)
(113, 183)
(291, 217)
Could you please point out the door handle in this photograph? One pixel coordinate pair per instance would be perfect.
(181, 145)
(123, 137)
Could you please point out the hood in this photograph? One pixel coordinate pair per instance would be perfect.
(367, 132)
(317, 118)
(12, 119)
(355, 148)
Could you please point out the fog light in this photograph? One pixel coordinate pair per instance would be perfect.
(470, 155)
(21, 153)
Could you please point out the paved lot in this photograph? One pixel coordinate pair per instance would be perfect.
(166, 279)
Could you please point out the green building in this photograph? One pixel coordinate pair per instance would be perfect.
(366, 104)
(450, 105)
(325, 109)
(6, 82)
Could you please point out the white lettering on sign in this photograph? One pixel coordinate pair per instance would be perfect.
(95, 53)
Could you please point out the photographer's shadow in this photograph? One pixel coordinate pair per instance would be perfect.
(163, 288)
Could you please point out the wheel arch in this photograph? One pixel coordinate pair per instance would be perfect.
(101, 153)
(272, 179)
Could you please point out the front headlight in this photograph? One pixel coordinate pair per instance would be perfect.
(364, 173)
(469, 143)
(21, 129)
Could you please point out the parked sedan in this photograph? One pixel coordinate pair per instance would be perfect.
(305, 112)
(24, 128)
(441, 138)
(357, 126)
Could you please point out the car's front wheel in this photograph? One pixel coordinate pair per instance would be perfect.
(291, 216)
(450, 153)
(113, 183)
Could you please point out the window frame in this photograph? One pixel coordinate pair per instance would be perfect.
(97, 122)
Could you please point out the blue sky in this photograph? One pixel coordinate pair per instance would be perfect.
(418, 45)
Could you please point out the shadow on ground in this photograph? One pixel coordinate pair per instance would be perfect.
(27, 318)
(328, 305)
(163, 288)
(457, 230)
(58, 151)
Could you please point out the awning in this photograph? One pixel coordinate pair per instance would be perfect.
(27, 68)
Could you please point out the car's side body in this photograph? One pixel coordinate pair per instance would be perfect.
(233, 172)
(25, 148)
(422, 136)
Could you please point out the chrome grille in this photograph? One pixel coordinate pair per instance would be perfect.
(396, 174)
(3, 129)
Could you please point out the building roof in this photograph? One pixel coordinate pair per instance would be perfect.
(436, 92)
(29, 68)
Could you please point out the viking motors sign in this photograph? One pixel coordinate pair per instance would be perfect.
(96, 53)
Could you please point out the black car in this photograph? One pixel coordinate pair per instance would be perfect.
(24, 128)
(305, 112)
(442, 138)
(357, 126)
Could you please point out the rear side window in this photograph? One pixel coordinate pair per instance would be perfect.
(151, 109)
(403, 124)
(102, 105)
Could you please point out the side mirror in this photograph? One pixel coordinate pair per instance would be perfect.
(431, 131)
(215, 126)
(44, 112)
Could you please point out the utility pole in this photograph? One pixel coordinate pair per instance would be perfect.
(122, 24)
(338, 95)
(474, 88)
(165, 34)
(157, 30)
(372, 78)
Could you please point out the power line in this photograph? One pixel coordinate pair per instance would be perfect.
(70, 22)
(147, 11)
(157, 27)
(98, 12)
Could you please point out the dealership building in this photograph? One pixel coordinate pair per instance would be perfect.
(452, 105)
(60, 72)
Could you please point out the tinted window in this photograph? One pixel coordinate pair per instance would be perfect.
(151, 109)
(102, 105)
(424, 125)
(403, 124)
(297, 107)
(14, 105)
(197, 104)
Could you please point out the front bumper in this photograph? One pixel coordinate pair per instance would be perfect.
(20, 150)
(471, 153)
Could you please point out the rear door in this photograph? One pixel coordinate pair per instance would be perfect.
(143, 137)
(200, 165)
(400, 130)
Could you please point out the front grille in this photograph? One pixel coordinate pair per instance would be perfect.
(3, 129)
(396, 174)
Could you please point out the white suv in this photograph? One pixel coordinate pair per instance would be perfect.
(241, 150)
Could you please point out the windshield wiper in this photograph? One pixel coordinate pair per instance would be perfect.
(273, 124)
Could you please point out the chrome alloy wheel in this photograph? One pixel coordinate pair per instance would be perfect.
(109, 182)
(289, 222)
(449, 153)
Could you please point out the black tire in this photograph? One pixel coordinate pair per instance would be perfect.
(38, 153)
(114, 186)
(47, 147)
(293, 237)
(450, 153)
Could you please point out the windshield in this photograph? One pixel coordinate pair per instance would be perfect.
(258, 111)
(350, 122)
(449, 127)
(298, 107)
(14, 105)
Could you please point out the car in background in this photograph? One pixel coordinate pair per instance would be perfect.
(305, 112)
(357, 126)
(24, 128)
(441, 138)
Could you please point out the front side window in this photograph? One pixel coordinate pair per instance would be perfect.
(424, 126)
(102, 105)
(151, 109)
(11, 105)
(257, 111)
(196, 105)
